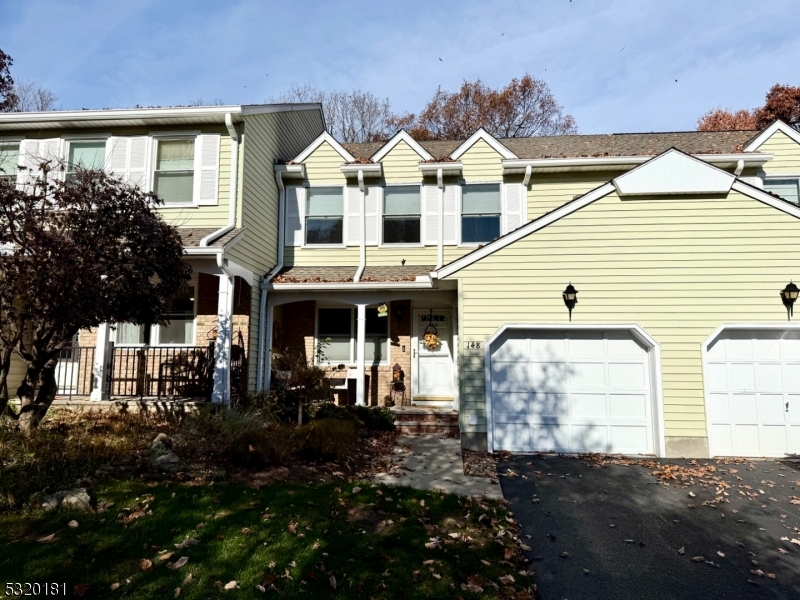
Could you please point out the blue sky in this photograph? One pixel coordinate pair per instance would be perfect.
(613, 64)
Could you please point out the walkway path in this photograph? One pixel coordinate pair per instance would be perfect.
(431, 462)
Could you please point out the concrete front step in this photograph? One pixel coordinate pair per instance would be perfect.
(427, 417)
(422, 427)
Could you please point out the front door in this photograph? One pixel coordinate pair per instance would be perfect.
(432, 365)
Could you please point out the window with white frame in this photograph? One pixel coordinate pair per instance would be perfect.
(325, 216)
(401, 214)
(9, 161)
(173, 178)
(480, 213)
(336, 330)
(788, 189)
(90, 155)
(179, 330)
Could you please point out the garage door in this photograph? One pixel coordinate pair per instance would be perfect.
(573, 391)
(753, 393)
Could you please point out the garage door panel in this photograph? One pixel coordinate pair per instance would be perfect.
(586, 374)
(723, 440)
(621, 343)
(513, 436)
(716, 350)
(747, 440)
(548, 346)
(791, 376)
(585, 343)
(773, 439)
(628, 406)
(790, 346)
(718, 407)
(588, 405)
(742, 376)
(739, 346)
(511, 403)
(770, 408)
(768, 376)
(793, 414)
(744, 408)
(590, 437)
(549, 404)
(510, 376)
(794, 438)
(627, 375)
(548, 437)
(514, 347)
(717, 376)
(767, 346)
(628, 439)
(551, 376)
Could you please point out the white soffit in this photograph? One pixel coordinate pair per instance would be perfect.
(674, 173)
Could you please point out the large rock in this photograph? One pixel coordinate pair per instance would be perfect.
(161, 442)
(167, 462)
(75, 499)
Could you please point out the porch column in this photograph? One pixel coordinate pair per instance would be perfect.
(266, 360)
(361, 334)
(222, 347)
(101, 370)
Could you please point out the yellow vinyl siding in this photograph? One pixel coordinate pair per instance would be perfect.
(548, 191)
(323, 166)
(678, 267)
(787, 154)
(481, 163)
(401, 165)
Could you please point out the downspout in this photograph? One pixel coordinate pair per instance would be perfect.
(739, 167)
(263, 356)
(440, 183)
(234, 182)
(527, 178)
(363, 224)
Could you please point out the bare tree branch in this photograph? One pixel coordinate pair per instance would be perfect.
(31, 97)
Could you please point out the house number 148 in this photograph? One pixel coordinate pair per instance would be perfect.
(473, 345)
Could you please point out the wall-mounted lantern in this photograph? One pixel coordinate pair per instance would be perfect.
(570, 295)
(788, 296)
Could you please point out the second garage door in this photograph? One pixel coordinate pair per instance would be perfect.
(571, 391)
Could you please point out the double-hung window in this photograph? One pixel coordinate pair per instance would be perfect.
(401, 214)
(173, 180)
(788, 189)
(325, 216)
(88, 155)
(9, 161)
(179, 330)
(336, 331)
(480, 213)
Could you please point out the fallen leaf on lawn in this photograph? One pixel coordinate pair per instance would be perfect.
(794, 541)
(422, 502)
(757, 572)
(292, 527)
(681, 550)
(436, 575)
(315, 546)
(784, 539)
(722, 554)
(333, 582)
(508, 553)
(486, 562)
(783, 551)
(356, 489)
(261, 589)
(72, 524)
(177, 592)
(114, 586)
(178, 563)
(434, 543)
(565, 555)
(586, 571)
(145, 564)
(47, 538)
(692, 495)
(187, 543)
(698, 559)
(231, 585)
(137, 514)
(506, 579)
(245, 530)
(80, 589)
(453, 535)
(165, 556)
(430, 562)
(481, 518)
(188, 579)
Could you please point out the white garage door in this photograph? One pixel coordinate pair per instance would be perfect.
(753, 388)
(575, 391)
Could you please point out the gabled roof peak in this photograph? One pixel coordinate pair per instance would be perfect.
(674, 173)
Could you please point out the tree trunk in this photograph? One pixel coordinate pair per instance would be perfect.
(5, 367)
(299, 413)
(35, 404)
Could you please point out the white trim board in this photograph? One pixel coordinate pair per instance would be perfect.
(484, 135)
(674, 173)
(654, 350)
(401, 136)
(762, 137)
(322, 138)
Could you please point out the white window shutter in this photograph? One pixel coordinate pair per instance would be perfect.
(372, 214)
(207, 169)
(137, 162)
(51, 150)
(430, 212)
(512, 207)
(352, 215)
(450, 215)
(117, 149)
(295, 204)
(29, 162)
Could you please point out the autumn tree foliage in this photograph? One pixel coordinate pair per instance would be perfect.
(782, 102)
(76, 251)
(8, 99)
(523, 108)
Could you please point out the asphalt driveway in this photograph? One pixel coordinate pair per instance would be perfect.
(610, 531)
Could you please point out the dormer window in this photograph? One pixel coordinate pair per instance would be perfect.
(325, 216)
(401, 214)
(480, 213)
(788, 188)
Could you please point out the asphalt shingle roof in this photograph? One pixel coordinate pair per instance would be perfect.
(191, 236)
(335, 274)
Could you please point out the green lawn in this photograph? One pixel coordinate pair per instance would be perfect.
(295, 540)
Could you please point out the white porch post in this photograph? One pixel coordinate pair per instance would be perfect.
(222, 347)
(266, 360)
(361, 334)
(101, 369)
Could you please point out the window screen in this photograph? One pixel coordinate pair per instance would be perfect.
(401, 215)
(174, 176)
(324, 216)
(785, 188)
(480, 213)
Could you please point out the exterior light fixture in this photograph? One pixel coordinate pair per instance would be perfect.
(570, 295)
(383, 310)
(788, 296)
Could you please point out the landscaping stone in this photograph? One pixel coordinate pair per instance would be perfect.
(167, 462)
(161, 441)
(76, 499)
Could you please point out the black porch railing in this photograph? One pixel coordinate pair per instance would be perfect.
(74, 371)
(149, 371)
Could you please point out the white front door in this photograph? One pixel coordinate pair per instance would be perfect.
(752, 382)
(432, 379)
